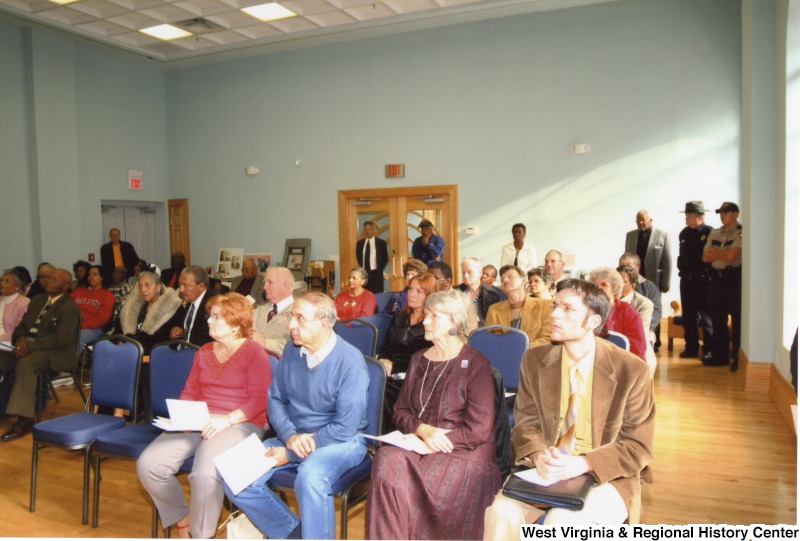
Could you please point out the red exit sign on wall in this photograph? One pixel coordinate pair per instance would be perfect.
(395, 170)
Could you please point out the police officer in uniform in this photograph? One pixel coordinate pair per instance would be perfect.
(724, 252)
(692, 270)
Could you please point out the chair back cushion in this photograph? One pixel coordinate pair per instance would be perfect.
(382, 322)
(504, 347)
(362, 335)
(116, 363)
(375, 394)
(169, 370)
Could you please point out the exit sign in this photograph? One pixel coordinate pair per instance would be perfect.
(395, 170)
(134, 179)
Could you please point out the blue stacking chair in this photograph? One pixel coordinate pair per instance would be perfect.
(362, 335)
(115, 382)
(382, 322)
(504, 347)
(283, 480)
(381, 299)
(169, 369)
(618, 339)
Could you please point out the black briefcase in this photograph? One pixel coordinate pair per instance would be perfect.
(566, 494)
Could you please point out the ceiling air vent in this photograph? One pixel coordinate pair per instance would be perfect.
(198, 25)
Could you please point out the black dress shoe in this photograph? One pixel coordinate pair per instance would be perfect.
(734, 366)
(21, 428)
(686, 354)
(710, 360)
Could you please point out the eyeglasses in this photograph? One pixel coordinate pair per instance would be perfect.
(302, 320)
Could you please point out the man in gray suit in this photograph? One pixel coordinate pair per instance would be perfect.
(652, 247)
(250, 282)
(45, 339)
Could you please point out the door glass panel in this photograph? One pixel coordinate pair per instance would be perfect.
(414, 217)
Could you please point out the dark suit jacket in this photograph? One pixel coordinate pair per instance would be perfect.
(58, 331)
(381, 256)
(167, 274)
(199, 334)
(623, 415)
(129, 257)
(658, 261)
(486, 298)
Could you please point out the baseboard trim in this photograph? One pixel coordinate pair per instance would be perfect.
(782, 394)
(754, 376)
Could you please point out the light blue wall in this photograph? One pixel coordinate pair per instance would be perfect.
(492, 106)
(75, 119)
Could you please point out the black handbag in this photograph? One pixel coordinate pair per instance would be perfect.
(566, 494)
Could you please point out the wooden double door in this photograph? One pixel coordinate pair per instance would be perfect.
(396, 213)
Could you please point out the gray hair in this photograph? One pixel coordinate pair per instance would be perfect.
(609, 274)
(19, 281)
(324, 308)
(633, 258)
(360, 270)
(154, 278)
(460, 309)
(199, 273)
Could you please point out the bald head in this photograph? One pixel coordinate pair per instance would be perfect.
(278, 284)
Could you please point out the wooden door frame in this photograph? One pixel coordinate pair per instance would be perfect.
(448, 229)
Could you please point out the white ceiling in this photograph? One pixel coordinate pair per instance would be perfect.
(117, 22)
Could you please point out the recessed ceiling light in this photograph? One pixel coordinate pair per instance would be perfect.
(269, 12)
(62, 2)
(165, 32)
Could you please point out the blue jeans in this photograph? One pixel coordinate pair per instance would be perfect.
(315, 476)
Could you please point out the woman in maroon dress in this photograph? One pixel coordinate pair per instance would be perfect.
(448, 401)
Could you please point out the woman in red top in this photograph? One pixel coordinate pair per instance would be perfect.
(356, 301)
(623, 318)
(96, 305)
(232, 375)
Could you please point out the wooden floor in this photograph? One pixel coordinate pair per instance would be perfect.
(723, 456)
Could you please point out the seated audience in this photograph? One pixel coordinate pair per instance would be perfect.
(43, 273)
(147, 312)
(482, 296)
(531, 316)
(80, 269)
(250, 282)
(554, 265)
(539, 283)
(443, 274)
(519, 253)
(428, 247)
(317, 407)
(120, 288)
(488, 278)
(623, 318)
(357, 301)
(232, 375)
(44, 340)
(96, 304)
(171, 276)
(404, 338)
(271, 320)
(13, 305)
(640, 303)
(25, 276)
(648, 289)
(190, 322)
(448, 401)
(397, 302)
(607, 432)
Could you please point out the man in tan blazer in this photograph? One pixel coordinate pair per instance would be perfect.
(271, 320)
(531, 316)
(612, 438)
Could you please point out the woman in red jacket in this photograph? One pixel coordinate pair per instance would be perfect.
(96, 305)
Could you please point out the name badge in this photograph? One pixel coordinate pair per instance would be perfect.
(464, 363)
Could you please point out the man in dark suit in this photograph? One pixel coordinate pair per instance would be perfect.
(190, 322)
(117, 253)
(652, 247)
(583, 406)
(171, 276)
(373, 256)
(250, 282)
(45, 339)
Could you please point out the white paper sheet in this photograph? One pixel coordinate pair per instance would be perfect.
(409, 442)
(184, 415)
(532, 476)
(243, 464)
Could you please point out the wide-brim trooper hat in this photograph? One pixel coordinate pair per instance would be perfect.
(694, 207)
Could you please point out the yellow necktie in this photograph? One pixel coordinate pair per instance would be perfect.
(566, 441)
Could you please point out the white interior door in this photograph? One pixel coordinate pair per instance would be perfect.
(137, 225)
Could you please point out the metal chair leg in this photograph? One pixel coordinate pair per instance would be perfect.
(96, 495)
(34, 472)
(86, 472)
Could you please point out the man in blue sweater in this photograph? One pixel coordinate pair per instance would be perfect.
(318, 407)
